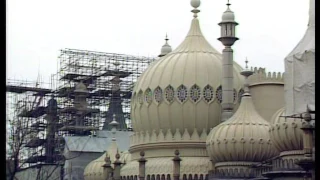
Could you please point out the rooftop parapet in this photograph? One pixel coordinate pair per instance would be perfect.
(260, 76)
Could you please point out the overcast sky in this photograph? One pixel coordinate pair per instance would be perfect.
(38, 29)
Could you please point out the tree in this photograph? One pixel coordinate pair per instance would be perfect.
(19, 132)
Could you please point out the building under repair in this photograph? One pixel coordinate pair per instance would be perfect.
(196, 113)
(66, 121)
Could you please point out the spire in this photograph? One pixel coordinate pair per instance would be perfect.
(166, 38)
(195, 4)
(246, 73)
(228, 4)
(311, 14)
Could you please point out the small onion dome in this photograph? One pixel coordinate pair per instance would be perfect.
(94, 170)
(285, 132)
(228, 15)
(166, 48)
(81, 88)
(243, 137)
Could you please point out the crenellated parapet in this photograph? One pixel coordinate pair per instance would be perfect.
(260, 76)
(146, 137)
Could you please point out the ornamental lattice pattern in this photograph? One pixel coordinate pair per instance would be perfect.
(158, 95)
(208, 93)
(219, 94)
(195, 93)
(148, 96)
(182, 93)
(234, 95)
(169, 93)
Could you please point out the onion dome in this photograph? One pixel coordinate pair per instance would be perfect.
(94, 170)
(228, 15)
(285, 132)
(182, 90)
(166, 48)
(189, 166)
(242, 138)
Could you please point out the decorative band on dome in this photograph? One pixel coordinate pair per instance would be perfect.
(182, 94)
(208, 93)
(169, 94)
(219, 95)
(158, 96)
(195, 93)
(148, 96)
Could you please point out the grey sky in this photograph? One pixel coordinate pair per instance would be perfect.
(38, 29)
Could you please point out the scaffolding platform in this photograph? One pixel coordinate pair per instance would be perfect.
(23, 89)
(120, 74)
(98, 71)
(36, 159)
(35, 142)
(34, 113)
(102, 93)
(78, 128)
(73, 110)
(38, 126)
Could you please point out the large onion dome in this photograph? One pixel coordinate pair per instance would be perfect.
(242, 138)
(182, 90)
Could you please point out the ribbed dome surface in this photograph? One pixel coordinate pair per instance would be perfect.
(164, 166)
(94, 170)
(285, 132)
(243, 137)
(179, 90)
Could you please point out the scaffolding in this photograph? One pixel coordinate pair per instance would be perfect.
(49, 111)
(97, 70)
(26, 111)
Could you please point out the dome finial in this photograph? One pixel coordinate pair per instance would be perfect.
(246, 73)
(195, 4)
(228, 4)
(114, 125)
(166, 38)
(246, 62)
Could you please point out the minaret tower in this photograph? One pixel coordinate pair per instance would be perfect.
(228, 38)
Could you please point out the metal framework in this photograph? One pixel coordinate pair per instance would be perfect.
(28, 102)
(26, 111)
(96, 70)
